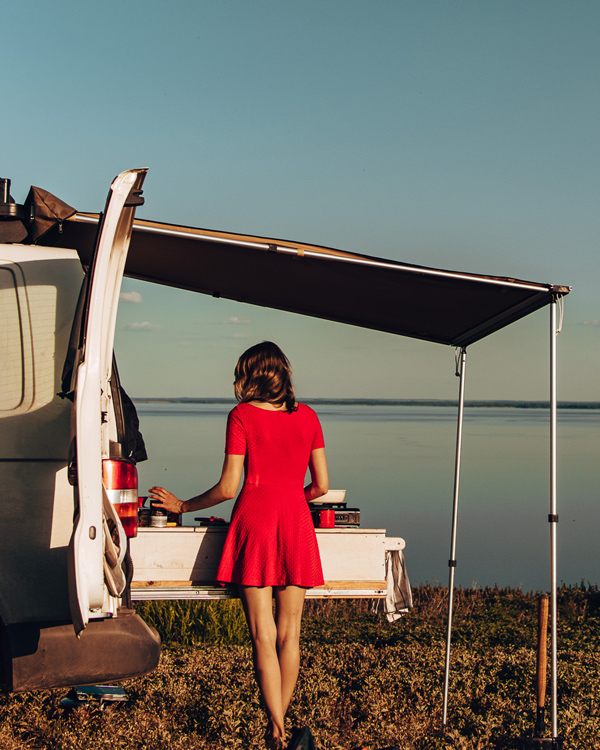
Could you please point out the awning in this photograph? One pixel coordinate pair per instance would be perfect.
(424, 303)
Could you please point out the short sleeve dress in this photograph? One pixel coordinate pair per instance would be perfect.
(271, 539)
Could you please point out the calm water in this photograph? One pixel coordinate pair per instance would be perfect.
(397, 465)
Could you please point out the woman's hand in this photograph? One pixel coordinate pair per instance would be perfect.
(162, 498)
(225, 489)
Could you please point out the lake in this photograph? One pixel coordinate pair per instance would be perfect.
(397, 465)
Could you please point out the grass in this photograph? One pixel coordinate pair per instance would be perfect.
(363, 682)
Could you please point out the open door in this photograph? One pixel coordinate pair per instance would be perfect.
(97, 528)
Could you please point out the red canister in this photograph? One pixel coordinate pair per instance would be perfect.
(324, 519)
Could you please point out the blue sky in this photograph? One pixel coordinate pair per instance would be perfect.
(460, 135)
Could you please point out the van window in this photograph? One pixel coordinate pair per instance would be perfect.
(42, 305)
(11, 344)
(27, 341)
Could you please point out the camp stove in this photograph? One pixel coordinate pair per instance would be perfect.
(344, 516)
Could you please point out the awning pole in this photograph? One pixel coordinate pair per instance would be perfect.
(553, 517)
(460, 371)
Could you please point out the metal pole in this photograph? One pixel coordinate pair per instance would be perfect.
(452, 562)
(553, 517)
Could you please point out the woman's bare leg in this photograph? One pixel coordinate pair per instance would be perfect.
(258, 606)
(289, 604)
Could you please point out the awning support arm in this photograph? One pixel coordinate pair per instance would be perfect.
(461, 362)
(553, 517)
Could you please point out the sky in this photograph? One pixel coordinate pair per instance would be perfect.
(452, 134)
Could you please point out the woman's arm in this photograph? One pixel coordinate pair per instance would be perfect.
(318, 474)
(225, 489)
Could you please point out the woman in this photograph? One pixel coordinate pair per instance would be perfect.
(271, 548)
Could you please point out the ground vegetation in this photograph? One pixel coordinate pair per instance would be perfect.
(364, 683)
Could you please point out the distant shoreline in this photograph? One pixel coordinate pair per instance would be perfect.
(481, 404)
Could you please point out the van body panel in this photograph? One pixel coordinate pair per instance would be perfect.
(36, 500)
(33, 553)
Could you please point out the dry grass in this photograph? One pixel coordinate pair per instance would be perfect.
(363, 682)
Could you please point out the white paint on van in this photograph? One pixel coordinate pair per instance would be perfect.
(62, 511)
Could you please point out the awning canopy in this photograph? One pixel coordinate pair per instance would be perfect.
(424, 303)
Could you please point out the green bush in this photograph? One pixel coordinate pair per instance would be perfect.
(188, 623)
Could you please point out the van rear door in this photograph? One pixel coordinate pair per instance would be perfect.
(90, 385)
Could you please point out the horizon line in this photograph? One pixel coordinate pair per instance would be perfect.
(498, 403)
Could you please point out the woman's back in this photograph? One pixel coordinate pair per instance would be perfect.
(277, 443)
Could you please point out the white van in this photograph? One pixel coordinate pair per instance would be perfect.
(63, 550)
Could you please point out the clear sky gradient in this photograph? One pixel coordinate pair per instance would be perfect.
(459, 135)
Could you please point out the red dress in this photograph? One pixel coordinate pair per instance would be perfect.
(271, 539)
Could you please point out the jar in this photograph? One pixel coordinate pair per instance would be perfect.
(158, 519)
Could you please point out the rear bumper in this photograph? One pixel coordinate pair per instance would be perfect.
(49, 655)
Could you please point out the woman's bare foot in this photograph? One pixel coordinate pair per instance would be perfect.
(273, 739)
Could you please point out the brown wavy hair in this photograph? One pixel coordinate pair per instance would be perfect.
(263, 373)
